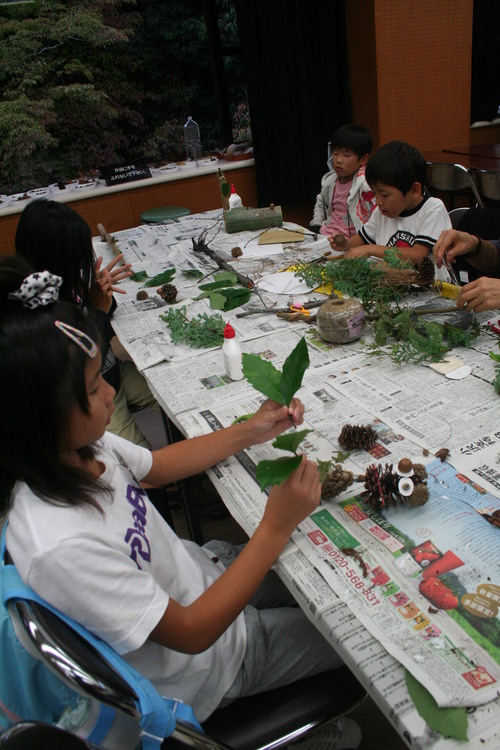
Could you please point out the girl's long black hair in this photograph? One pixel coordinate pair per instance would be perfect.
(42, 377)
(53, 237)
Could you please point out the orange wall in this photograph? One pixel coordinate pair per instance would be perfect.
(410, 69)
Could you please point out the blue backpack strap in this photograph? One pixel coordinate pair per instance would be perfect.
(158, 714)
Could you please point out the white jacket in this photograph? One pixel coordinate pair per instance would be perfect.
(360, 201)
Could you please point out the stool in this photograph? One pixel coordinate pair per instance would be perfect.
(163, 213)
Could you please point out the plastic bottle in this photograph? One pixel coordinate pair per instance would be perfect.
(192, 139)
(234, 198)
(231, 351)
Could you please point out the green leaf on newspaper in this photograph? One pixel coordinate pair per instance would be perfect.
(450, 722)
(139, 276)
(275, 472)
(192, 273)
(161, 278)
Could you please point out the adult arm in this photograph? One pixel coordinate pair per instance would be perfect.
(481, 254)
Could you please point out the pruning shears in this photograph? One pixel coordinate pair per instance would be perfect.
(494, 326)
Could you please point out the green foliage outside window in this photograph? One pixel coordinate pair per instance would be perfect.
(88, 83)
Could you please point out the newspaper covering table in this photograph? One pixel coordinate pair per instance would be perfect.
(360, 575)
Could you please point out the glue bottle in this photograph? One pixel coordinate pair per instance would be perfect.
(231, 351)
(234, 198)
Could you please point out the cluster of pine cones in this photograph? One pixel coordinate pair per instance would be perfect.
(382, 487)
(168, 292)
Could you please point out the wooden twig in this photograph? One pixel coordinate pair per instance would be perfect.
(421, 311)
(276, 310)
(199, 246)
(109, 239)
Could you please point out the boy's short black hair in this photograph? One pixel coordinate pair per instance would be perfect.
(397, 164)
(355, 137)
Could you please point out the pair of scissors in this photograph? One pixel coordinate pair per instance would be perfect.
(494, 326)
(296, 307)
(454, 278)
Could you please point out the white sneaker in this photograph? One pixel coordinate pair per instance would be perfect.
(344, 734)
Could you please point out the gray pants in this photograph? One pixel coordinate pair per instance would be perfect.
(282, 645)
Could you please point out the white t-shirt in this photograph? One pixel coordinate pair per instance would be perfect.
(114, 573)
(422, 225)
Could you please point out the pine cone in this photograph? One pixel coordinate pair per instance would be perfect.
(381, 487)
(337, 480)
(354, 436)
(168, 292)
(425, 272)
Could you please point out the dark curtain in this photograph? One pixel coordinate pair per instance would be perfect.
(485, 76)
(295, 54)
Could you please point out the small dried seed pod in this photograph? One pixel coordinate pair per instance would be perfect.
(142, 294)
(236, 252)
(442, 453)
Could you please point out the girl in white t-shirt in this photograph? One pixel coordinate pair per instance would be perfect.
(83, 534)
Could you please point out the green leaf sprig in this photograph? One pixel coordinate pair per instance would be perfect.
(279, 386)
(199, 332)
(417, 339)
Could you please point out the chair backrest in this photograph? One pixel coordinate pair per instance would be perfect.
(456, 215)
(450, 178)
(34, 735)
(488, 184)
(89, 665)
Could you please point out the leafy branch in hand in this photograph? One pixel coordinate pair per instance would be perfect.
(279, 386)
(276, 471)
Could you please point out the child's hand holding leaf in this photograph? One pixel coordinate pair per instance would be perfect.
(272, 419)
(296, 498)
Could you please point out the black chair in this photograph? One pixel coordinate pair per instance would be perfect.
(451, 179)
(32, 735)
(269, 720)
(488, 185)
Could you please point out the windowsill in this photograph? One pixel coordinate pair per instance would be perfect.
(181, 173)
